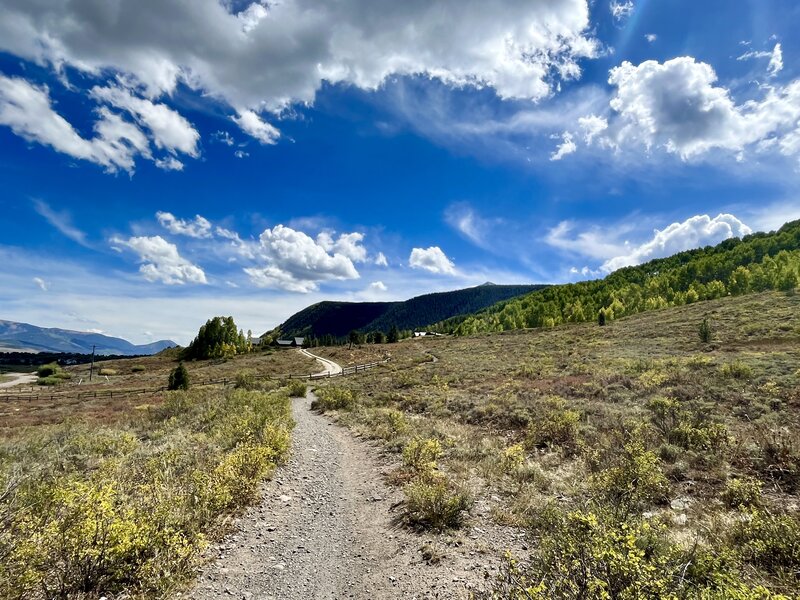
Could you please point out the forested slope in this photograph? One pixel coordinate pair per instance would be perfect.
(758, 262)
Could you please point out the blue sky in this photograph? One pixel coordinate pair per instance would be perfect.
(165, 161)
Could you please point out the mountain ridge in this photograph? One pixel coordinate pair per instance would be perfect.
(16, 336)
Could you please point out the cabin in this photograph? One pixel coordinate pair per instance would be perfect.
(426, 334)
(293, 343)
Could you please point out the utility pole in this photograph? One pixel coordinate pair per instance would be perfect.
(91, 368)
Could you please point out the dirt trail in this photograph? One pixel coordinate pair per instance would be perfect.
(18, 379)
(326, 529)
(330, 367)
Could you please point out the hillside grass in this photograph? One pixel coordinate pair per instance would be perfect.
(126, 509)
(641, 461)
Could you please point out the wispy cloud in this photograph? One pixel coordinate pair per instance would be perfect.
(62, 221)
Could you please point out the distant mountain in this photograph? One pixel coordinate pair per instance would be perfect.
(26, 337)
(339, 318)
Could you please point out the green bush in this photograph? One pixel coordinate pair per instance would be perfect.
(771, 542)
(179, 378)
(745, 492)
(420, 455)
(705, 331)
(138, 369)
(436, 504)
(737, 370)
(333, 398)
(297, 388)
(49, 370)
(50, 380)
(556, 427)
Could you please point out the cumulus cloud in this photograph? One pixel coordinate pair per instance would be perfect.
(431, 259)
(347, 244)
(270, 56)
(566, 147)
(378, 286)
(677, 106)
(296, 262)
(255, 126)
(62, 221)
(170, 131)
(161, 260)
(695, 232)
(199, 227)
(380, 260)
(651, 37)
(28, 111)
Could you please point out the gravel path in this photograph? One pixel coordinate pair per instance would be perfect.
(330, 367)
(326, 528)
(19, 378)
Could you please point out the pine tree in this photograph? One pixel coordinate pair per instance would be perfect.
(179, 378)
(601, 318)
(705, 331)
(394, 335)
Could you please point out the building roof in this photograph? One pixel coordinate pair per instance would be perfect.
(299, 341)
(285, 342)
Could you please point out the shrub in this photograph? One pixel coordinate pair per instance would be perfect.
(745, 492)
(296, 388)
(769, 541)
(48, 370)
(420, 455)
(138, 369)
(333, 398)
(50, 380)
(634, 481)
(557, 427)
(513, 458)
(245, 380)
(737, 370)
(107, 372)
(436, 504)
(179, 378)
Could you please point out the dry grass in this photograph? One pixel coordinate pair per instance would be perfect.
(692, 414)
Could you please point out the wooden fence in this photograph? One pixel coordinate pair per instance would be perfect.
(224, 382)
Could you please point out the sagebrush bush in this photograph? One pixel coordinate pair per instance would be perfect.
(737, 370)
(126, 510)
(107, 372)
(333, 398)
(297, 388)
(744, 492)
(420, 455)
(769, 541)
(436, 503)
(558, 426)
(138, 369)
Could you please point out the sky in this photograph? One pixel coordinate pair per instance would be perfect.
(165, 161)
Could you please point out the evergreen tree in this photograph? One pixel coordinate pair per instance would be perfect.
(601, 318)
(179, 378)
(705, 331)
(353, 337)
(394, 335)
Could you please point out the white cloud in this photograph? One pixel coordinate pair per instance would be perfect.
(170, 131)
(199, 227)
(297, 263)
(170, 163)
(677, 106)
(775, 61)
(270, 56)
(695, 232)
(592, 126)
(621, 9)
(161, 260)
(380, 260)
(431, 259)
(347, 244)
(241, 154)
(595, 242)
(378, 286)
(567, 146)
(223, 137)
(61, 221)
(256, 127)
(41, 283)
(651, 37)
(28, 111)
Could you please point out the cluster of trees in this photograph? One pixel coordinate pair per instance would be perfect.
(218, 338)
(755, 263)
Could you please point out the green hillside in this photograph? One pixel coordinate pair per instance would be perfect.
(337, 319)
(758, 262)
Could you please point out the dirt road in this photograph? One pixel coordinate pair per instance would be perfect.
(18, 379)
(330, 367)
(326, 528)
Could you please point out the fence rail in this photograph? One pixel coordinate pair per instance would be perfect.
(224, 382)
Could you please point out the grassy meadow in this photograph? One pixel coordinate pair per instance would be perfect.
(641, 461)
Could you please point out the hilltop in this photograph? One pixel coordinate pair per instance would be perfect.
(337, 319)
